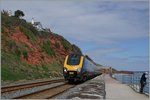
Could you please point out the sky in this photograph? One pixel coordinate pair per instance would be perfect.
(113, 33)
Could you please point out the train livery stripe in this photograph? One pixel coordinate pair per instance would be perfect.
(73, 67)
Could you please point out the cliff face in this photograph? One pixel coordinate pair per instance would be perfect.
(28, 53)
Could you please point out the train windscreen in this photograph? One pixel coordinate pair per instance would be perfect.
(73, 59)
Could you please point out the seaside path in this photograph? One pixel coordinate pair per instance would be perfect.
(117, 91)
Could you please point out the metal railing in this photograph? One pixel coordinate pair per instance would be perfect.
(133, 80)
(135, 83)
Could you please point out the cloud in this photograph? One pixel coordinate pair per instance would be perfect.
(101, 22)
(108, 26)
(138, 58)
(123, 63)
(109, 57)
(100, 28)
(104, 51)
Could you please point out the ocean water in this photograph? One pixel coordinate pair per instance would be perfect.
(133, 80)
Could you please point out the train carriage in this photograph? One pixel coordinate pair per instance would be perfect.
(79, 68)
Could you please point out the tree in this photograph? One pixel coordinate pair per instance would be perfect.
(19, 13)
(4, 12)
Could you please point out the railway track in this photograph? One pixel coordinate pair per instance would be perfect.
(52, 89)
(47, 93)
(28, 85)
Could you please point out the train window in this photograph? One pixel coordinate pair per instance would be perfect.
(73, 59)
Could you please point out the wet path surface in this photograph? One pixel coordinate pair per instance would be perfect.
(92, 89)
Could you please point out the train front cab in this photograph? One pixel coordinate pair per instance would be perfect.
(72, 67)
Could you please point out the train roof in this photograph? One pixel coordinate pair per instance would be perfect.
(75, 54)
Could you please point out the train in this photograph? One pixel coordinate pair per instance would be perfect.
(79, 68)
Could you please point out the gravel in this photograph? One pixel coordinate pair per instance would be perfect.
(92, 89)
(4, 84)
(14, 94)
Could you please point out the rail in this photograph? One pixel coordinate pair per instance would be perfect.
(28, 85)
(13, 91)
(47, 93)
(133, 80)
(135, 83)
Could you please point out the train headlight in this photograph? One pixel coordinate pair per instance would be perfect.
(79, 70)
(65, 70)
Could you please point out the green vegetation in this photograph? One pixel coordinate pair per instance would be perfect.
(47, 48)
(11, 44)
(19, 13)
(10, 69)
(66, 44)
(53, 70)
(4, 12)
(28, 33)
(7, 74)
(11, 21)
(57, 45)
(15, 49)
(44, 34)
(13, 68)
(25, 54)
(76, 49)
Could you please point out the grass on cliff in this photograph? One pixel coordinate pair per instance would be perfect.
(11, 22)
(28, 33)
(46, 47)
(14, 69)
(10, 66)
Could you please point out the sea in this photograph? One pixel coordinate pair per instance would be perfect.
(133, 80)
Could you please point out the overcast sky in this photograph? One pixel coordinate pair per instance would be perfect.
(112, 33)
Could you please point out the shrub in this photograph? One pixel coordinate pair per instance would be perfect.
(4, 12)
(28, 33)
(19, 13)
(45, 34)
(45, 67)
(25, 54)
(18, 52)
(47, 48)
(10, 21)
(66, 44)
(34, 30)
(57, 45)
(11, 44)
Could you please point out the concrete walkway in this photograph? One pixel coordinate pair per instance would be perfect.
(116, 90)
